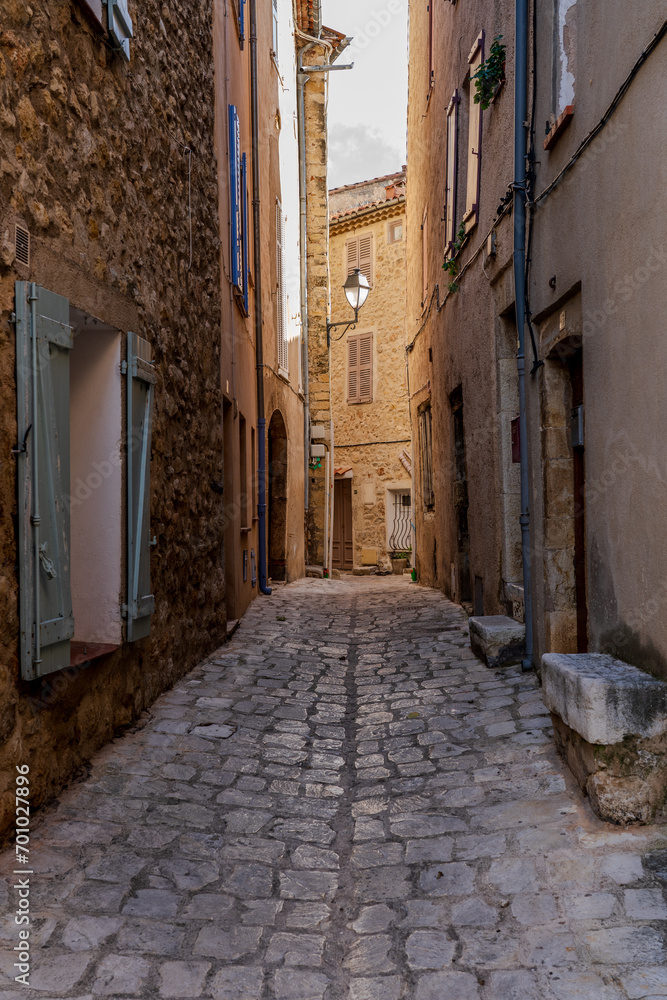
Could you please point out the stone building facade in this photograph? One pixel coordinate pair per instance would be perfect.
(129, 487)
(460, 330)
(108, 224)
(316, 46)
(372, 506)
(594, 257)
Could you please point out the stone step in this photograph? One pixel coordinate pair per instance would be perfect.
(497, 640)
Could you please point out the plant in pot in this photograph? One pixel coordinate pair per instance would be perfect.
(400, 562)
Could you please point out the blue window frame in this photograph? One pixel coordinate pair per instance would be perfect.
(244, 212)
(238, 188)
(241, 21)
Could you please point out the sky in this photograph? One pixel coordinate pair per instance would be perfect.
(368, 105)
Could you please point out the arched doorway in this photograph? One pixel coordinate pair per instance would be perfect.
(277, 520)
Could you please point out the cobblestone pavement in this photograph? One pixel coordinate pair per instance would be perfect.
(341, 803)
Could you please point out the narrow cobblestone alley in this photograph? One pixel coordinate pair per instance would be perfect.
(341, 804)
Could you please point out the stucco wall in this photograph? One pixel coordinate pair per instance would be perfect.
(94, 164)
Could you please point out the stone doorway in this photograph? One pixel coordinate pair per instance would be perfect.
(343, 545)
(277, 499)
(566, 606)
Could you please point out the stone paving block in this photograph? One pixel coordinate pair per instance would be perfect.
(182, 979)
(514, 985)
(429, 950)
(623, 868)
(227, 945)
(440, 985)
(209, 906)
(85, 933)
(645, 904)
(295, 949)
(369, 955)
(289, 984)
(625, 945)
(118, 974)
(308, 885)
(378, 988)
(374, 919)
(591, 906)
(238, 983)
(534, 909)
(566, 985)
(474, 912)
(645, 982)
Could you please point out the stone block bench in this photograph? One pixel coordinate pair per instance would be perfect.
(497, 640)
(610, 724)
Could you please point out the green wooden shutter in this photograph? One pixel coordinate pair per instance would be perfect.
(140, 382)
(43, 343)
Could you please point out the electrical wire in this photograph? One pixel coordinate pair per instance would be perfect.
(620, 94)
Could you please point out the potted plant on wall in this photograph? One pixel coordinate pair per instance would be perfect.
(400, 561)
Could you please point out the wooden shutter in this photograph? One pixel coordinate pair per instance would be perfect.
(359, 253)
(43, 343)
(235, 205)
(431, 69)
(353, 369)
(275, 29)
(365, 367)
(452, 170)
(281, 304)
(245, 237)
(474, 138)
(425, 257)
(140, 383)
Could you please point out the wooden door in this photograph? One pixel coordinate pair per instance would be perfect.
(343, 553)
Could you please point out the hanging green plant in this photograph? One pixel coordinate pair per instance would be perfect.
(490, 74)
(451, 265)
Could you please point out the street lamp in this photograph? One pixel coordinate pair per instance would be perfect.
(356, 290)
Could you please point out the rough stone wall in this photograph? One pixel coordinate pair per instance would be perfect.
(317, 248)
(386, 418)
(93, 161)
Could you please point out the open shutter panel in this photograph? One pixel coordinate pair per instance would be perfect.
(140, 383)
(365, 264)
(43, 343)
(452, 170)
(246, 232)
(365, 367)
(236, 206)
(353, 370)
(474, 139)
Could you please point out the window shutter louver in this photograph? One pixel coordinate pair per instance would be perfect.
(283, 352)
(275, 29)
(359, 252)
(425, 257)
(353, 370)
(366, 256)
(43, 343)
(140, 388)
(366, 368)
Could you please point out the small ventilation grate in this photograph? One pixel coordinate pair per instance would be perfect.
(22, 240)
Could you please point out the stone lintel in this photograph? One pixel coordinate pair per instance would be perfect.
(603, 699)
(497, 640)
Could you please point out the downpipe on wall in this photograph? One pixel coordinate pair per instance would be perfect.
(259, 346)
(521, 127)
(301, 81)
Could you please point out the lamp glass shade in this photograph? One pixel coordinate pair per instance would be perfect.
(356, 289)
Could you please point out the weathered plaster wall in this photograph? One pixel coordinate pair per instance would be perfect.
(93, 162)
(362, 428)
(601, 236)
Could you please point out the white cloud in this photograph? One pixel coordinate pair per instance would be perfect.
(357, 153)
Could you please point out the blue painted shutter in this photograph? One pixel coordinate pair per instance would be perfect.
(246, 234)
(241, 22)
(43, 343)
(140, 383)
(235, 200)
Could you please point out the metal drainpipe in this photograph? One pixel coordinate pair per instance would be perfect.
(302, 79)
(520, 154)
(259, 347)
